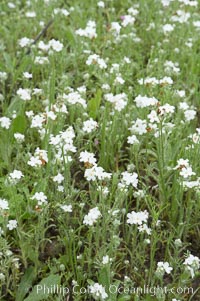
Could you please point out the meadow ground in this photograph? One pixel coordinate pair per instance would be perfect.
(99, 150)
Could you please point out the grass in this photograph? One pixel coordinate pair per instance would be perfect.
(65, 222)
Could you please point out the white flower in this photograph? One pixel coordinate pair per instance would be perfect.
(115, 28)
(5, 122)
(129, 179)
(144, 101)
(89, 125)
(114, 68)
(195, 138)
(139, 194)
(63, 143)
(96, 173)
(167, 28)
(98, 291)
(24, 94)
(178, 242)
(184, 167)
(37, 121)
(105, 87)
(183, 105)
(25, 42)
(101, 174)
(66, 208)
(144, 228)
(61, 11)
(163, 267)
(3, 76)
(106, 259)
(101, 4)
(40, 158)
(103, 190)
(192, 264)
(30, 14)
(191, 184)
(153, 116)
(92, 216)
(58, 178)
(40, 197)
(29, 114)
(127, 60)
(148, 81)
(15, 176)
(196, 24)
(27, 75)
(1, 231)
(3, 204)
(180, 93)
(90, 174)
(34, 162)
(137, 218)
(2, 277)
(74, 98)
(132, 140)
(119, 80)
(166, 81)
(60, 188)
(166, 2)
(166, 109)
(139, 126)
(94, 59)
(43, 46)
(12, 224)
(171, 67)
(119, 101)
(182, 163)
(51, 115)
(9, 253)
(181, 16)
(87, 157)
(193, 261)
(11, 5)
(128, 20)
(89, 31)
(186, 172)
(41, 60)
(190, 114)
(56, 45)
(19, 137)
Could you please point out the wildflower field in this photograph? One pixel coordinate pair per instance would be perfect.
(100, 150)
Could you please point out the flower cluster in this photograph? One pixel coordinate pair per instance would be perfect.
(92, 216)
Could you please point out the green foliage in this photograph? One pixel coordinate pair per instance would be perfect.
(94, 104)
(43, 289)
(52, 243)
(26, 283)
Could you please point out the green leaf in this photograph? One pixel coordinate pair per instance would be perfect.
(19, 124)
(70, 37)
(124, 298)
(32, 255)
(113, 294)
(64, 259)
(9, 62)
(149, 298)
(44, 289)
(26, 283)
(15, 105)
(104, 277)
(94, 104)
